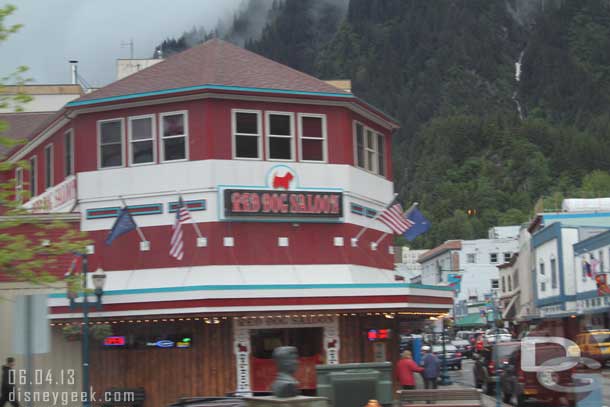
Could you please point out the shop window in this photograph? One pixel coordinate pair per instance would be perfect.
(48, 166)
(68, 153)
(174, 136)
(33, 176)
(280, 136)
(312, 132)
(18, 184)
(493, 257)
(553, 273)
(247, 134)
(110, 137)
(142, 140)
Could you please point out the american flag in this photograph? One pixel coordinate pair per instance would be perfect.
(394, 218)
(176, 244)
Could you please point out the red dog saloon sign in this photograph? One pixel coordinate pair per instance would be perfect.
(289, 204)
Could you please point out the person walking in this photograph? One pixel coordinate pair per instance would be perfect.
(405, 369)
(432, 368)
(8, 384)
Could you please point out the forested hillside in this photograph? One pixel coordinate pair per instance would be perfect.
(478, 135)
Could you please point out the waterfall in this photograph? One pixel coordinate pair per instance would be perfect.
(517, 79)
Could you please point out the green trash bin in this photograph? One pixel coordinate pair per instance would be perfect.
(354, 384)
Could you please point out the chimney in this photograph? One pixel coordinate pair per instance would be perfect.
(74, 65)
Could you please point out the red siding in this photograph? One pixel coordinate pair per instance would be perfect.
(255, 243)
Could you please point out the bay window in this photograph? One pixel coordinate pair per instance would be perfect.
(246, 128)
(369, 149)
(312, 132)
(280, 136)
(174, 136)
(110, 139)
(142, 140)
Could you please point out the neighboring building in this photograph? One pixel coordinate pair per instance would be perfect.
(279, 171)
(475, 261)
(407, 265)
(504, 232)
(45, 98)
(126, 67)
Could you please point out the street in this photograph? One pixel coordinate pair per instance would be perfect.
(465, 377)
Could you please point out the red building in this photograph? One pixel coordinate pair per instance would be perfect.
(279, 170)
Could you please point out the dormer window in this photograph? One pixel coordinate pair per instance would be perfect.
(174, 136)
(110, 139)
(312, 131)
(247, 135)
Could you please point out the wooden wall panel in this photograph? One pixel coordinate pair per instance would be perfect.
(207, 369)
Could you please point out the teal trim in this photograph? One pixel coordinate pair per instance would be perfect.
(576, 215)
(265, 287)
(207, 87)
(172, 207)
(154, 209)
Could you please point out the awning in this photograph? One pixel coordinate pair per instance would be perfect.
(475, 320)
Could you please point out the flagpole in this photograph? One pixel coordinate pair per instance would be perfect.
(407, 213)
(365, 228)
(142, 238)
(195, 225)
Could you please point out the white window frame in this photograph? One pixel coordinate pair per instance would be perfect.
(33, 170)
(268, 135)
(69, 135)
(234, 134)
(376, 136)
(153, 139)
(99, 143)
(49, 161)
(19, 184)
(185, 113)
(300, 117)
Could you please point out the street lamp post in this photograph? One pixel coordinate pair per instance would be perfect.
(98, 278)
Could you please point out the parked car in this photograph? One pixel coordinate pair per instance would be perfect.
(463, 346)
(485, 371)
(501, 333)
(454, 357)
(521, 388)
(595, 344)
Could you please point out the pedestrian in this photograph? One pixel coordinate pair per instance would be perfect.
(432, 368)
(8, 384)
(405, 369)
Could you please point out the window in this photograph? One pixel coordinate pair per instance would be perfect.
(553, 273)
(48, 166)
(312, 132)
(359, 143)
(495, 284)
(18, 184)
(542, 286)
(471, 258)
(174, 136)
(493, 257)
(142, 140)
(510, 284)
(280, 136)
(369, 149)
(68, 153)
(541, 269)
(247, 134)
(507, 257)
(110, 134)
(33, 176)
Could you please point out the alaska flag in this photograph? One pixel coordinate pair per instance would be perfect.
(124, 224)
(420, 224)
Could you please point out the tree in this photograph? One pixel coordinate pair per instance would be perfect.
(30, 244)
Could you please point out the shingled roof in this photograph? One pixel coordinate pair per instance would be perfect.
(23, 126)
(214, 62)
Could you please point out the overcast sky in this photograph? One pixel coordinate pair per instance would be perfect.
(91, 31)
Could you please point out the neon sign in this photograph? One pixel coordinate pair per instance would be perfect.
(114, 341)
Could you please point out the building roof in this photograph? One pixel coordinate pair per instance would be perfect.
(215, 62)
(59, 89)
(438, 250)
(23, 126)
(571, 219)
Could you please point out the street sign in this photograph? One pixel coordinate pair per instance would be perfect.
(31, 331)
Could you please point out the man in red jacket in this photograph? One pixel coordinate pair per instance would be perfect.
(404, 371)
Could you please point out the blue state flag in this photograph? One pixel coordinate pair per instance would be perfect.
(123, 224)
(420, 224)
